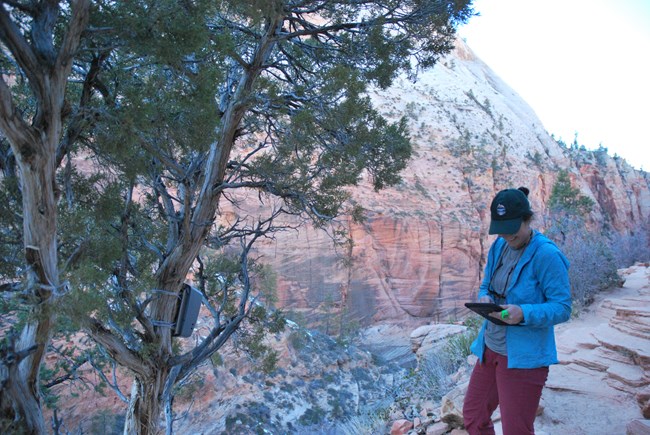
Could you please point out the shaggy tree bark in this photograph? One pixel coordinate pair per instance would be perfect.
(35, 147)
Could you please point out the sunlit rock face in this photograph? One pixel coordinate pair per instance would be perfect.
(420, 253)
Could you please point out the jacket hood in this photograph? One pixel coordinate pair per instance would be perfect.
(537, 242)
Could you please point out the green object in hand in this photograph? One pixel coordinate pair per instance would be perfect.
(504, 314)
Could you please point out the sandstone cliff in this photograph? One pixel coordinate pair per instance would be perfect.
(421, 250)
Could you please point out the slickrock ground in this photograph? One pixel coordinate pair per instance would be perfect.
(603, 381)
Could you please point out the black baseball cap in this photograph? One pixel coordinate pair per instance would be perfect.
(508, 209)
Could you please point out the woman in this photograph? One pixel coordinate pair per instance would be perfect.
(527, 275)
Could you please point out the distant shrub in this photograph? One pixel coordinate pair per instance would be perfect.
(628, 249)
(298, 340)
(312, 416)
(601, 155)
(536, 159)
(411, 110)
(187, 389)
(216, 359)
(595, 256)
(592, 265)
(340, 402)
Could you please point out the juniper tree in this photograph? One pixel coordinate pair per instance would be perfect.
(181, 109)
(567, 199)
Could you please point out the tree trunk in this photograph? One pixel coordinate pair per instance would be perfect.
(34, 143)
(39, 218)
(145, 404)
(17, 416)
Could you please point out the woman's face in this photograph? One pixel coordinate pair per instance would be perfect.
(519, 239)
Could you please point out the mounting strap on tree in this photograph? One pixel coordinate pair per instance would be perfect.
(187, 311)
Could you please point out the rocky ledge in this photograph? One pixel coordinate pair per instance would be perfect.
(603, 382)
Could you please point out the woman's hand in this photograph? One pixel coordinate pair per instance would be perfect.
(511, 314)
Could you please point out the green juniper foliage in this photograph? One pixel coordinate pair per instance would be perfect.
(568, 199)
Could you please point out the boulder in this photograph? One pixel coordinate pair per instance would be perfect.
(438, 428)
(638, 427)
(401, 427)
(451, 407)
(432, 338)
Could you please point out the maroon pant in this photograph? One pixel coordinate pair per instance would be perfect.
(516, 391)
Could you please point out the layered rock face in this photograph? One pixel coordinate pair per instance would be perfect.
(421, 251)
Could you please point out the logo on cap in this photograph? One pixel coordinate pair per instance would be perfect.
(501, 209)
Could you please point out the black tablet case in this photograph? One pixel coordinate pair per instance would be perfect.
(484, 309)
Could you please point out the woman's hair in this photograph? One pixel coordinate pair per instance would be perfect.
(526, 216)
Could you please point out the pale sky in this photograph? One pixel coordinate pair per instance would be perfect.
(582, 65)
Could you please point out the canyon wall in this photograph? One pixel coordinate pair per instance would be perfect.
(420, 252)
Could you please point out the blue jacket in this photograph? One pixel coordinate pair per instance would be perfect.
(540, 286)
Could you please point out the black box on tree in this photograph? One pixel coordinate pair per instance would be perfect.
(188, 311)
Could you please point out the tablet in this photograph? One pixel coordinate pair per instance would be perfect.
(484, 309)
